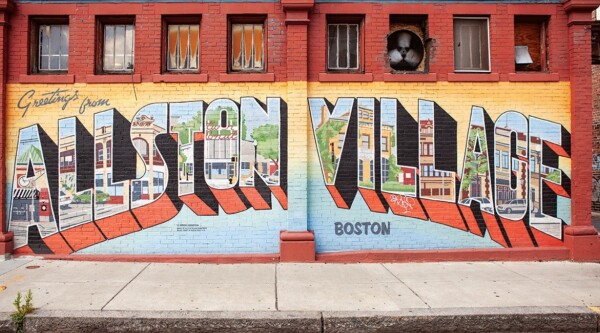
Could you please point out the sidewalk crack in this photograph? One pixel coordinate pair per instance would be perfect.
(276, 296)
(125, 286)
(407, 286)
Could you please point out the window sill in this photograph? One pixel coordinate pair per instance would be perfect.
(179, 78)
(409, 77)
(533, 77)
(114, 78)
(47, 78)
(247, 77)
(345, 77)
(473, 77)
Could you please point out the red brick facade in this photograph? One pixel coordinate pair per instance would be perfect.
(296, 51)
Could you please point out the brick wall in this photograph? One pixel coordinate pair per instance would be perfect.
(596, 143)
(244, 218)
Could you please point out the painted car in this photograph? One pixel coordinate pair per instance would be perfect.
(274, 178)
(484, 203)
(86, 197)
(64, 200)
(513, 206)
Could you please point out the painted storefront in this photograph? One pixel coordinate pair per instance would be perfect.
(209, 166)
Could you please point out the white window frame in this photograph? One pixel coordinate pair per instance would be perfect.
(50, 54)
(125, 68)
(348, 68)
(487, 20)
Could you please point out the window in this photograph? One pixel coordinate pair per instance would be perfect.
(99, 180)
(158, 182)
(497, 158)
(343, 44)
(50, 45)
(360, 170)
(116, 46)
(341, 138)
(406, 47)
(384, 143)
(99, 152)
(385, 169)
(531, 43)
(365, 141)
(247, 44)
(471, 44)
(505, 160)
(141, 146)
(108, 149)
(182, 44)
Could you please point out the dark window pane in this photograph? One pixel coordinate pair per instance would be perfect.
(236, 46)
(343, 45)
(353, 46)
(44, 62)
(54, 62)
(332, 46)
(55, 39)
(44, 39)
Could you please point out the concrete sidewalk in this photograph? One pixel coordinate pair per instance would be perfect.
(83, 296)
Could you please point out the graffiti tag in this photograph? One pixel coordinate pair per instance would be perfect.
(403, 202)
(62, 97)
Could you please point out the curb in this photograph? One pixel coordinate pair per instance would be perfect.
(510, 319)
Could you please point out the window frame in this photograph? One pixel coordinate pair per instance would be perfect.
(35, 22)
(543, 21)
(415, 20)
(247, 19)
(179, 20)
(489, 48)
(347, 19)
(101, 22)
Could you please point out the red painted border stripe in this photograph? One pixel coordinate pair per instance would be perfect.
(372, 200)
(118, 225)
(255, 199)
(158, 212)
(197, 205)
(337, 197)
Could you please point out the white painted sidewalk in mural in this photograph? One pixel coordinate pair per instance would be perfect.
(76, 285)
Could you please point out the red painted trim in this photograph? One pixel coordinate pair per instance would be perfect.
(48, 9)
(521, 254)
(581, 230)
(247, 77)
(112, 9)
(182, 78)
(190, 8)
(345, 77)
(297, 21)
(114, 78)
(472, 9)
(285, 235)
(533, 77)
(532, 9)
(48, 79)
(409, 77)
(473, 77)
(212, 259)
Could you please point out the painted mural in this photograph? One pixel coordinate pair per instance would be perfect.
(170, 174)
(125, 175)
(507, 189)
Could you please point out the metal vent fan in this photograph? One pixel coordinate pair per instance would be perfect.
(405, 50)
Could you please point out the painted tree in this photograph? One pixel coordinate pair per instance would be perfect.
(267, 138)
(476, 163)
(325, 133)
